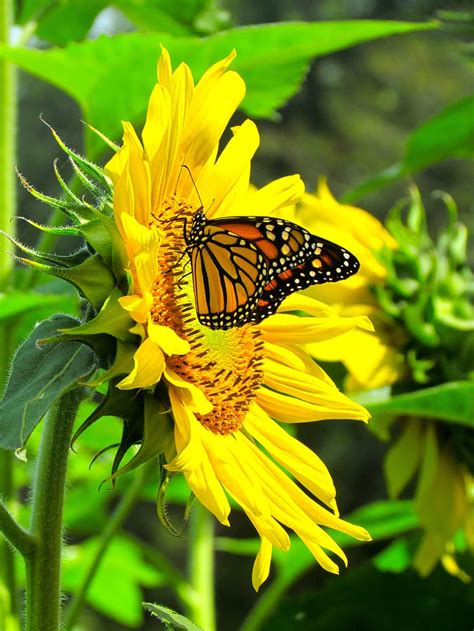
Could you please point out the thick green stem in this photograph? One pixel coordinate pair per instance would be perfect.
(7, 560)
(43, 568)
(201, 556)
(113, 525)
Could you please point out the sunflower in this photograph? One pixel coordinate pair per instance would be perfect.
(227, 388)
(416, 292)
(372, 358)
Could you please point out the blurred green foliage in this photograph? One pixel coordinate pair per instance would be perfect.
(399, 104)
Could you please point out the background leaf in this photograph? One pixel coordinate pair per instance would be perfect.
(171, 618)
(177, 18)
(273, 59)
(17, 303)
(39, 375)
(450, 134)
(452, 402)
(116, 588)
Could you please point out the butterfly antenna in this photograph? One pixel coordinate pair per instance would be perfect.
(185, 166)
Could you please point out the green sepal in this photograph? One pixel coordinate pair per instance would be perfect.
(419, 367)
(103, 345)
(158, 435)
(456, 315)
(123, 404)
(64, 186)
(112, 320)
(89, 167)
(69, 231)
(92, 186)
(104, 138)
(92, 278)
(47, 199)
(103, 235)
(161, 505)
(66, 260)
(414, 317)
(122, 364)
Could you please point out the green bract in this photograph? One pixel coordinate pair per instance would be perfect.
(97, 271)
(428, 291)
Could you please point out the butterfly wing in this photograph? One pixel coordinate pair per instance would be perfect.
(229, 276)
(295, 259)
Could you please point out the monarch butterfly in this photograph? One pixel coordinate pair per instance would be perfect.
(243, 267)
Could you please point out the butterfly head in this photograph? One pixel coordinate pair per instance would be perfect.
(195, 234)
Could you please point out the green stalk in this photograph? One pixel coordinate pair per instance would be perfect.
(113, 525)
(8, 113)
(201, 557)
(15, 534)
(43, 568)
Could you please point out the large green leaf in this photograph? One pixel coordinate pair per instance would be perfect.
(39, 375)
(68, 20)
(450, 134)
(451, 402)
(115, 590)
(177, 18)
(111, 77)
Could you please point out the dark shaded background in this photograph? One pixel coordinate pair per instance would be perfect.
(350, 120)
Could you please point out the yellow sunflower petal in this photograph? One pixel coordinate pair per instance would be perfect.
(167, 339)
(261, 566)
(149, 364)
(195, 399)
(228, 180)
(274, 196)
(193, 462)
(291, 410)
(303, 463)
(209, 114)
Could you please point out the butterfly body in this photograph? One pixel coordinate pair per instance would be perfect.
(243, 267)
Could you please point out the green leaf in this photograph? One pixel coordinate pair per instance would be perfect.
(39, 375)
(450, 402)
(64, 21)
(115, 590)
(450, 134)
(185, 17)
(33, 9)
(170, 618)
(17, 303)
(396, 557)
(85, 507)
(273, 59)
